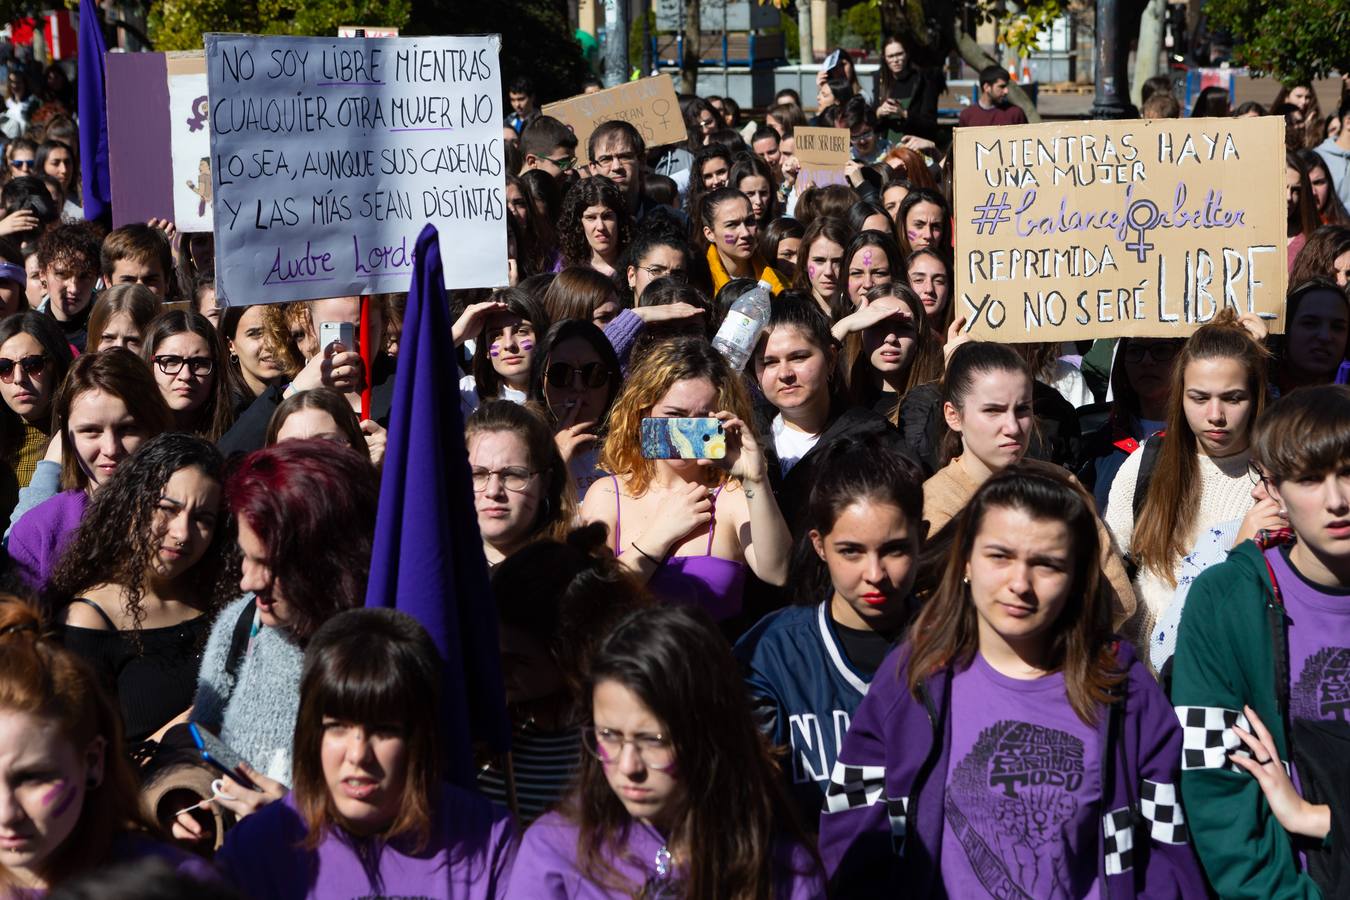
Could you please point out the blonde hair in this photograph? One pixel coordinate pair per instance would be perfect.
(665, 364)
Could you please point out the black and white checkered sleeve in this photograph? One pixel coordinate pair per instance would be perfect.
(852, 787)
(1207, 737)
(1161, 807)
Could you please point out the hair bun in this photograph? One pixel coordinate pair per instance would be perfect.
(18, 618)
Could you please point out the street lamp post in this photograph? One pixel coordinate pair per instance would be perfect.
(1113, 84)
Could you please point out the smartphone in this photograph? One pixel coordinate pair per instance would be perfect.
(682, 439)
(342, 332)
(831, 61)
(218, 755)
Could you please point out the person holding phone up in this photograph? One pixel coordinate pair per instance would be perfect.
(689, 526)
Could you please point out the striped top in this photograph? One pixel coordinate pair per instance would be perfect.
(544, 763)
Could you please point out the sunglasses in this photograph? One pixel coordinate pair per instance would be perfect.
(23, 163)
(562, 375)
(31, 365)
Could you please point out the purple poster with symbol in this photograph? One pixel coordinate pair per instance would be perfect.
(329, 155)
(1070, 231)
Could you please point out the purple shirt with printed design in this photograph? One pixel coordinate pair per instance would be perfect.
(1022, 790)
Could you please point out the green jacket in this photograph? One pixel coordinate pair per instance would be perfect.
(1224, 661)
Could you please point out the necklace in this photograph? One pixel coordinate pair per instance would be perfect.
(663, 863)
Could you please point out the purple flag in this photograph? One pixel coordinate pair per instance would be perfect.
(428, 556)
(95, 183)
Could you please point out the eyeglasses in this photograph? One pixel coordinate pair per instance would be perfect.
(863, 137)
(663, 272)
(31, 365)
(608, 161)
(1158, 353)
(197, 365)
(563, 162)
(23, 163)
(563, 375)
(655, 750)
(513, 478)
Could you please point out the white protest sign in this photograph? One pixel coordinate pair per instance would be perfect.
(190, 142)
(330, 155)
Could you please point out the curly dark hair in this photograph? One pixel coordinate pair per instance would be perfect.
(594, 191)
(117, 538)
(76, 244)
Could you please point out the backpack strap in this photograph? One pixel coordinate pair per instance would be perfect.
(243, 630)
(1147, 463)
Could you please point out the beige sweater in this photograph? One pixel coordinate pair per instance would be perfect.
(1225, 494)
(950, 489)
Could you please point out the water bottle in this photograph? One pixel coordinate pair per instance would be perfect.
(743, 325)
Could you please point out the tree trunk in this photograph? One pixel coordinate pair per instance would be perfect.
(1149, 48)
(807, 55)
(977, 58)
(693, 40)
(616, 42)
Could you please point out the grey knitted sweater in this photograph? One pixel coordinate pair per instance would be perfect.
(255, 713)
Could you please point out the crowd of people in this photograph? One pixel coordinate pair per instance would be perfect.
(945, 617)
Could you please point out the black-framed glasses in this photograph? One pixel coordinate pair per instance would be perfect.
(197, 365)
(862, 137)
(514, 478)
(563, 375)
(563, 162)
(610, 159)
(655, 750)
(23, 163)
(663, 272)
(30, 365)
(1157, 353)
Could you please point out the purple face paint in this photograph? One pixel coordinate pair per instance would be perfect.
(66, 792)
(811, 271)
(526, 346)
(867, 257)
(729, 238)
(495, 350)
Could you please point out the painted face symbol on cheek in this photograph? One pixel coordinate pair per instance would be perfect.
(526, 346)
(729, 238)
(62, 794)
(811, 270)
(495, 350)
(912, 233)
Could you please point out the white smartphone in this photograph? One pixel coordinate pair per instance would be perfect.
(342, 332)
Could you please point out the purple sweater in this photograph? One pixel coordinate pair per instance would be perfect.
(546, 866)
(36, 542)
(882, 825)
(469, 856)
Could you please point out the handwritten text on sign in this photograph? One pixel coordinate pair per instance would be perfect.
(329, 155)
(648, 104)
(1096, 229)
(823, 154)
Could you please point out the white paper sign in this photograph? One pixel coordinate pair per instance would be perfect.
(191, 142)
(330, 155)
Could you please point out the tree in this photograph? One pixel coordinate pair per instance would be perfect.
(180, 24)
(1296, 40)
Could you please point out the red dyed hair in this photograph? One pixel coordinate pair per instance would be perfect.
(312, 504)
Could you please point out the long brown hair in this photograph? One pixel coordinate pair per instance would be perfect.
(370, 667)
(557, 511)
(1163, 527)
(924, 367)
(217, 413)
(946, 633)
(42, 679)
(734, 805)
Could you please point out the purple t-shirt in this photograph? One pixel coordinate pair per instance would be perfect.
(1319, 643)
(1022, 790)
(468, 858)
(546, 867)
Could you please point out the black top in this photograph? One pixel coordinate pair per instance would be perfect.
(921, 88)
(864, 647)
(76, 330)
(153, 686)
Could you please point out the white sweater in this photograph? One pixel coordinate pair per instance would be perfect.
(1225, 494)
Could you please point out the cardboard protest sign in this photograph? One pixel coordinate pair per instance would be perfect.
(191, 141)
(648, 104)
(329, 155)
(823, 153)
(1107, 229)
